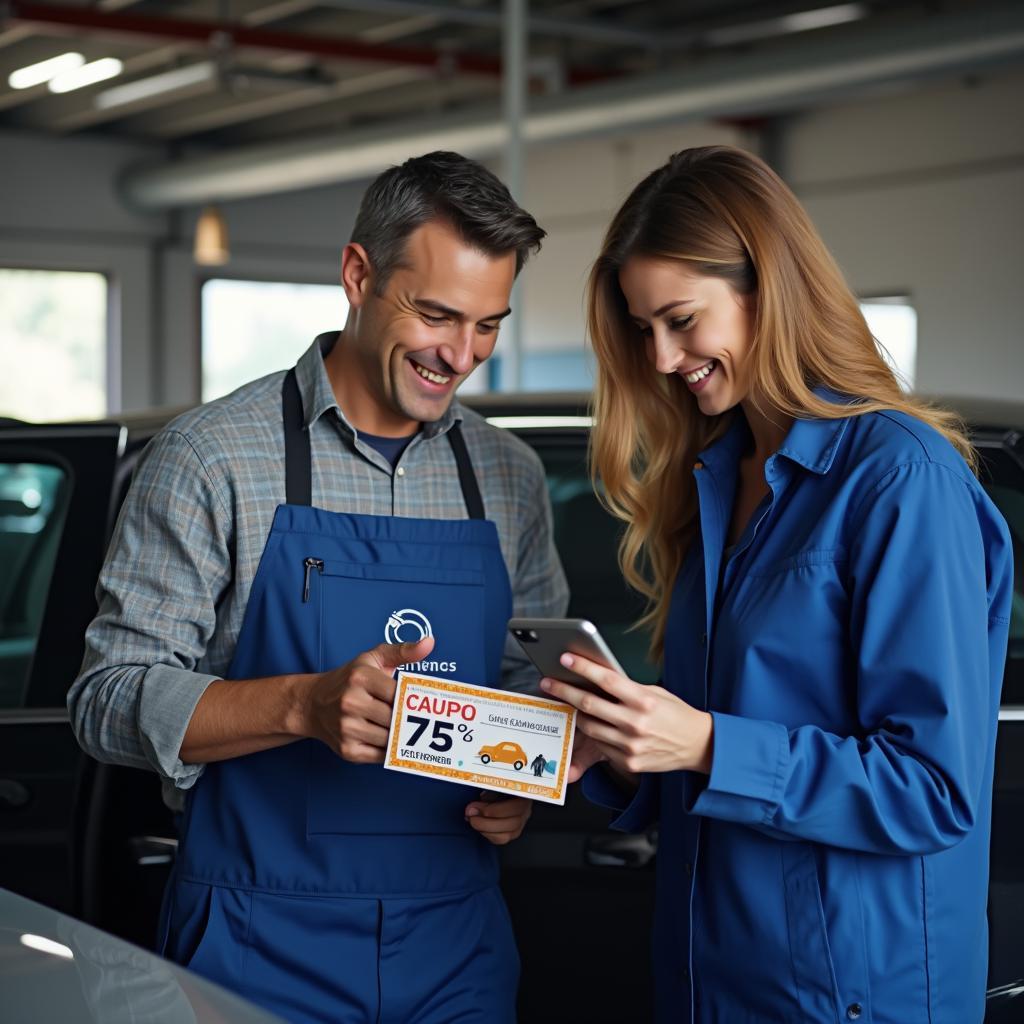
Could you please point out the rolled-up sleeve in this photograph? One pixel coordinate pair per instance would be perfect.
(930, 578)
(168, 562)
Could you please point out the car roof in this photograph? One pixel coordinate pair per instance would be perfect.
(44, 955)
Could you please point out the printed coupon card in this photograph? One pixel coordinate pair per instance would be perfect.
(509, 742)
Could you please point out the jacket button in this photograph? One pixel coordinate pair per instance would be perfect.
(689, 870)
(853, 1011)
(686, 974)
(703, 639)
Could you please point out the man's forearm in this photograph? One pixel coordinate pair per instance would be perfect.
(235, 717)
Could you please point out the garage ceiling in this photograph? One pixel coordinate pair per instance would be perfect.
(228, 71)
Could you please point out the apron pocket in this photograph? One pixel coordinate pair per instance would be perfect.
(208, 932)
(363, 605)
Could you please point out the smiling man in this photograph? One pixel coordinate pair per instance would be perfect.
(280, 553)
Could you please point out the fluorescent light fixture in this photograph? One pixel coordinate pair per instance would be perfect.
(36, 74)
(88, 74)
(786, 24)
(45, 945)
(145, 88)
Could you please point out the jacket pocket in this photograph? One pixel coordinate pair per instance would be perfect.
(813, 969)
(827, 936)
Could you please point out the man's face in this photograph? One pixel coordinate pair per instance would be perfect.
(435, 321)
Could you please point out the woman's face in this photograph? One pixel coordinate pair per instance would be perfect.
(692, 325)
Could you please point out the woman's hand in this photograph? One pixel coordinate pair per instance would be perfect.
(637, 728)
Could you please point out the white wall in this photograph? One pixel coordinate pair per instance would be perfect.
(923, 194)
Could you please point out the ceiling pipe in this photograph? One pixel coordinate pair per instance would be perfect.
(786, 78)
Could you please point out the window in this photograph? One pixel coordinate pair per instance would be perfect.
(252, 328)
(53, 344)
(33, 502)
(893, 322)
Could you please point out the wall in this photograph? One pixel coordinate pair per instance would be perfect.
(919, 193)
(923, 194)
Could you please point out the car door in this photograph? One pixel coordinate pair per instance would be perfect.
(1002, 474)
(55, 505)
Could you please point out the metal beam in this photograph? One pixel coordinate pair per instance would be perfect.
(487, 17)
(787, 78)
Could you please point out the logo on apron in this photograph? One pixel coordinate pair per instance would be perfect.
(411, 626)
(407, 626)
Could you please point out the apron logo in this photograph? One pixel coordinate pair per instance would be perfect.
(410, 626)
(407, 626)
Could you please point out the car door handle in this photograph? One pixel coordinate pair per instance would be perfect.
(13, 794)
(619, 851)
(151, 850)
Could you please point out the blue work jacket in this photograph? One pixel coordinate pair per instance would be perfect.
(834, 865)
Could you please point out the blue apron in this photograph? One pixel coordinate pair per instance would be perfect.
(334, 892)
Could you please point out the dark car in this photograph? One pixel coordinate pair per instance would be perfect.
(96, 841)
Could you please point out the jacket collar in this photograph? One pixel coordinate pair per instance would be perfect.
(811, 443)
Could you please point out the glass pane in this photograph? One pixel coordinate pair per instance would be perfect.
(587, 538)
(33, 503)
(53, 344)
(252, 328)
(893, 322)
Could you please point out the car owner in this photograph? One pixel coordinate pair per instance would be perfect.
(831, 587)
(281, 552)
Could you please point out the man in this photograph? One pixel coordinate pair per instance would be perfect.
(282, 551)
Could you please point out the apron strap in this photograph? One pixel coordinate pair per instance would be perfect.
(298, 458)
(467, 478)
(298, 470)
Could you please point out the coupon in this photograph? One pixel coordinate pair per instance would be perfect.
(508, 742)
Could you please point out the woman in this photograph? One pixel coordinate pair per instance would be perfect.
(830, 589)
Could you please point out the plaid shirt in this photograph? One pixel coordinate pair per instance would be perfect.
(188, 541)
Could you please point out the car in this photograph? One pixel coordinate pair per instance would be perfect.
(56, 968)
(96, 840)
(504, 753)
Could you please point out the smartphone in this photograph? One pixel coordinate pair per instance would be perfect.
(545, 640)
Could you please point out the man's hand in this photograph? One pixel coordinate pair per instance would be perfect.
(349, 708)
(499, 820)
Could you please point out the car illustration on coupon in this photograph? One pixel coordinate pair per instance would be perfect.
(504, 753)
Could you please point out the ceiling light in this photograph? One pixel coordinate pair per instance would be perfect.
(156, 85)
(786, 24)
(88, 74)
(36, 74)
(211, 246)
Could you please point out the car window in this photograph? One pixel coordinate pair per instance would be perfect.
(1003, 478)
(587, 538)
(34, 499)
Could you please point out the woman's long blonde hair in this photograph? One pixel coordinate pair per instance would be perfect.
(724, 213)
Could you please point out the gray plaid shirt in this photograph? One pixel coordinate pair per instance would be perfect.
(173, 590)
